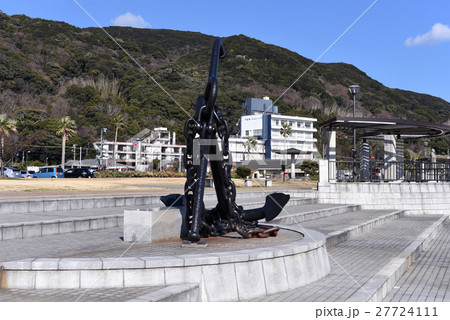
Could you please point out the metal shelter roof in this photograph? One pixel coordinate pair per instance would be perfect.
(406, 129)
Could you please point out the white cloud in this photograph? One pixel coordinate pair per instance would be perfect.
(438, 33)
(130, 20)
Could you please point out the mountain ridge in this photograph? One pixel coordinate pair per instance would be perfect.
(56, 69)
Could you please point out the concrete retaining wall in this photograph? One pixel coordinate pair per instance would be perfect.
(414, 198)
(227, 276)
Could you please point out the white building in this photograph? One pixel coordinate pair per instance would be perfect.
(264, 124)
(142, 149)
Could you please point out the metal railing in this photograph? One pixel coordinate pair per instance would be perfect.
(372, 171)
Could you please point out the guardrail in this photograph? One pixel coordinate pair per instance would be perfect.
(371, 171)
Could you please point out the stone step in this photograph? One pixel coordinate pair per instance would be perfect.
(35, 229)
(365, 268)
(9, 206)
(297, 214)
(171, 293)
(338, 222)
(348, 225)
(32, 225)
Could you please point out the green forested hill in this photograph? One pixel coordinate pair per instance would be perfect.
(51, 69)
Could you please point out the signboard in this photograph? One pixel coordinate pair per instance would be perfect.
(136, 145)
(372, 157)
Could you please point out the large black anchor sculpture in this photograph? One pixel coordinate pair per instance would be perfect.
(207, 140)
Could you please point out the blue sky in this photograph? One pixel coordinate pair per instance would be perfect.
(401, 43)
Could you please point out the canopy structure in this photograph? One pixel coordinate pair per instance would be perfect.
(404, 129)
(292, 152)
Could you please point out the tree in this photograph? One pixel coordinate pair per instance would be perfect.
(67, 129)
(243, 172)
(119, 123)
(286, 131)
(250, 144)
(7, 127)
(310, 167)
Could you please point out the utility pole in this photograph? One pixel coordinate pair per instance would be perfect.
(80, 155)
(74, 154)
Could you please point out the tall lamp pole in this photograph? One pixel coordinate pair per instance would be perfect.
(101, 150)
(354, 89)
(74, 154)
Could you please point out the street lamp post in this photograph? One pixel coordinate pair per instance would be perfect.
(101, 150)
(354, 89)
(28, 152)
(74, 154)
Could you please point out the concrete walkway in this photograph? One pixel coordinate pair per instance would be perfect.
(428, 279)
(356, 261)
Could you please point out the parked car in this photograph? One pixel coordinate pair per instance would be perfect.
(49, 172)
(27, 174)
(78, 173)
(12, 172)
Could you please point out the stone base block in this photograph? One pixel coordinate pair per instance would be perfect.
(152, 225)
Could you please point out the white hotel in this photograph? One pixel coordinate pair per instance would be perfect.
(263, 122)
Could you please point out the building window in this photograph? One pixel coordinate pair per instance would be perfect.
(257, 132)
(247, 133)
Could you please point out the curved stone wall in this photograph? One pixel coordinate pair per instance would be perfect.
(225, 276)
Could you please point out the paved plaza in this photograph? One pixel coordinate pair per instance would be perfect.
(360, 245)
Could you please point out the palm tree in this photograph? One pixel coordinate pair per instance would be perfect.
(7, 126)
(250, 144)
(67, 128)
(286, 131)
(119, 123)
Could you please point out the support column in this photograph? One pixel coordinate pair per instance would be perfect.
(331, 155)
(364, 157)
(433, 167)
(293, 166)
(400, 159)
(179, 158)
(390, 157)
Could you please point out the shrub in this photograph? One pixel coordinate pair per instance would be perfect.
(243, 172)
(138, 174)
(310, 167)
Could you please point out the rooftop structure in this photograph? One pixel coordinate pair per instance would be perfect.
(259, 106)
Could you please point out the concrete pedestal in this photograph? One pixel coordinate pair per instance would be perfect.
(152, 225)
